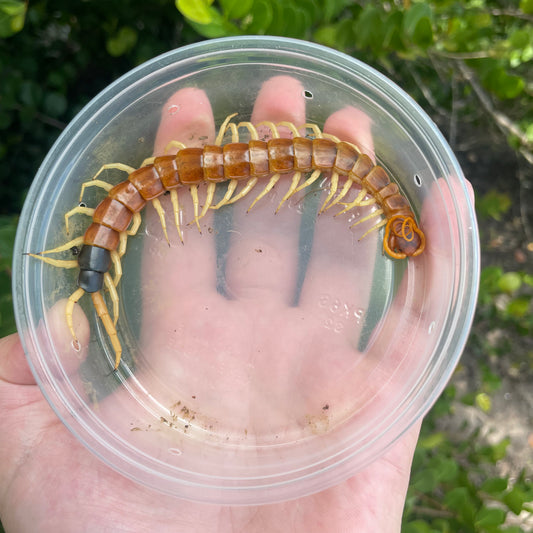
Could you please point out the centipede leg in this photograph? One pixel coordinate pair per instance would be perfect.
(223, 128)
(334, 184)
(174, 146)
(355, 203)
(114, 166)
(232, 185)
(273, 180)
(117, 266)
(346, 188)
(108, 281)
(373, 228)
(69, 309)
(103, 314)
(310, 180)
(78, 241)
(292, 189)
(78, 210)
(250, 184)
(375, 213)
(135, 225)
(95, 183)
(161, 212)
(209, 195)
(196, 205)
(176, 209)
(271, 126)
(254, 135)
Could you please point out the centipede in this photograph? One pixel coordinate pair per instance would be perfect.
(302, 158)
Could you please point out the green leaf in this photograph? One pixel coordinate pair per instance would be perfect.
(417, 526)
(483, 401)
(124, 41)
(493, 204)
(526, 6)
(515, 500)
(12, 15)
(260, 17)
(489, 518)
(424, 480)
(417, 24)
(510, 282)
(460, 500)
(432, 441)
(369, 30)
(495, 485)
(505, 86)
(519, 307)
(196, 10)
(236, 9)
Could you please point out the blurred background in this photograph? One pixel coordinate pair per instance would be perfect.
(469, 64)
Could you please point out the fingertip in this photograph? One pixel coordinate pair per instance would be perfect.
(353, 125)
(186, 117)
(14, 367)
(280, 98)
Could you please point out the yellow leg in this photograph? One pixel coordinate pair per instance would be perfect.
(61, 263)
(232, 185)
(347, 186)
(310, 180)
(78, 241)
(73, 298)
(375, 213)
(292, 189)
(291, 127)
(103, 313)
(174, 146)
(223, 128)
(271, 126)
(334, 184)
(115, 258)
(211, 187)
(273, 180)
(115, 166)
(196, 204)
(135, 225)
(373, 228)
(355, 203)
(108, 281)
(254, 135)
(80, 209)
(161, 212)
(176, 209)
(95, 183)
(245, 190)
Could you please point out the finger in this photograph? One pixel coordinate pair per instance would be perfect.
(263, 254)
(339, 278)
(52, 336)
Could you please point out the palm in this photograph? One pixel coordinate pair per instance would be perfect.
(251, 358)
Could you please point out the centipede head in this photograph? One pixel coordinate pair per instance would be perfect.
(403, 238)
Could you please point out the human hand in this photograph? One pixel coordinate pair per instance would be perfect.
(183, 336)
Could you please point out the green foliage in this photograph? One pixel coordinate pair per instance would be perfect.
(8, 226)
(488, 46)
(453, 487)
(12, 14)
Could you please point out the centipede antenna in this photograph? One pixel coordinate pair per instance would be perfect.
(161, 212)
(176, 209)
(61, 263)
(273, 180)
(292, 189)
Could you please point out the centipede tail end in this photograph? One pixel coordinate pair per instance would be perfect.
(403, 238)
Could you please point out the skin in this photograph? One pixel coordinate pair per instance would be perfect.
(50, 482)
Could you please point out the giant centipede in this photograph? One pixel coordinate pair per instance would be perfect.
(117, 216)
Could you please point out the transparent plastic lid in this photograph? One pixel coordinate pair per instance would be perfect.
(273, 354)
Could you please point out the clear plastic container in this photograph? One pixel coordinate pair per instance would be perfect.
(228, 393)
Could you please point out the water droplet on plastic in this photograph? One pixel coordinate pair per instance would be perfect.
(76, 345)
(173, 109)
(431, 327)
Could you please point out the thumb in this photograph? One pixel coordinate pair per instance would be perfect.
(14, 367)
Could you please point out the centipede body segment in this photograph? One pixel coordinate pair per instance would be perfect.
(254, 162)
